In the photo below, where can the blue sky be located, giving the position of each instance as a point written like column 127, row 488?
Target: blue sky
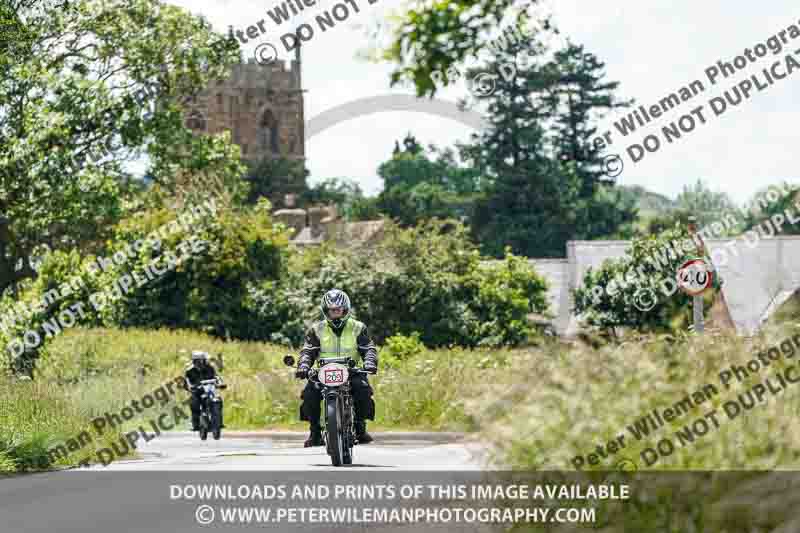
column 651, row 48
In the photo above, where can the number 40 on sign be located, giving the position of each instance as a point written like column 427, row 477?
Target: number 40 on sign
column 694, row 277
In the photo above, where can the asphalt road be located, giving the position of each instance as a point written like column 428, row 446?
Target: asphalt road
column 137, row 496
column 416, row 451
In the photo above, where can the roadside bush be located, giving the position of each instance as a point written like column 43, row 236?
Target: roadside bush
column 427, row 280
column 402, row 346
column 609, row 294
column 47, row 297
column 209, row 292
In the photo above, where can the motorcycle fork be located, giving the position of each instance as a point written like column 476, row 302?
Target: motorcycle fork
column 330, row 396
column 347, row 414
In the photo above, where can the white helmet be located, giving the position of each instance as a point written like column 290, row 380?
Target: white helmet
column 336, row 298
column 198, row 355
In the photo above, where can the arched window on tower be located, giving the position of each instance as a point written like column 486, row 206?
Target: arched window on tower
column 268, row 132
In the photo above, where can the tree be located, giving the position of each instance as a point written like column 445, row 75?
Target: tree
column 639, row 290
column 408, row 169
column 761, row 208
column 421, row 184
column 432, row 37
column 332, row 191
column 91, row 84
column 674, row 218
column 345, row 194
column 576, row 95
column 366, row 208
column 536, row 199
column 411, row 145
column 708, row 206
column 427, row 279
column 274, row 178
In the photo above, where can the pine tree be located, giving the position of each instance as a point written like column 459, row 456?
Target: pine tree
column 576, row 97
column 538, row 200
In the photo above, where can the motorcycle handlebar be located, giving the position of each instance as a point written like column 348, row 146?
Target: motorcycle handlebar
column 216, row 381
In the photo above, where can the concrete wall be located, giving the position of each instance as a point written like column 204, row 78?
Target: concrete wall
column 757, row 278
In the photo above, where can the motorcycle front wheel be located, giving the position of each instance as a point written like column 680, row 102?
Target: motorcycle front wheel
column 216, row 421
column 348, row 439
column 203, row 426
column 335, row 434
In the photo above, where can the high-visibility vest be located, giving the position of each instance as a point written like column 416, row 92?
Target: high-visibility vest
column 345, row 345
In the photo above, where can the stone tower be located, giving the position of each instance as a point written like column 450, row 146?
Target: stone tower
column 261, row 105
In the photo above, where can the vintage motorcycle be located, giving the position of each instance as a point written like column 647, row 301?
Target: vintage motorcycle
column 332, row 378
column 210, row 408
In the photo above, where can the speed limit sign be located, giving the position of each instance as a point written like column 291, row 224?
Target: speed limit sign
column 695, row 277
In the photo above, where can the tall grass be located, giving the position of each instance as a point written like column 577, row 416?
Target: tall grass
column 537, row 407
column 425, row 391
column 35, row 416
column 85, row 374
column 564, row 402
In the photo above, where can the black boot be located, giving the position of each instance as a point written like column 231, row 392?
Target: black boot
column 315, row 439
column 361, row 432
column 196, row 422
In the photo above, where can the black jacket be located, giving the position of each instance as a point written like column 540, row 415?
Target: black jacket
column 310, row 350
column 195, row 375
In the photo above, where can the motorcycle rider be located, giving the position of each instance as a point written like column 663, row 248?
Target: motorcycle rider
column 338, row 334
column 197, row 370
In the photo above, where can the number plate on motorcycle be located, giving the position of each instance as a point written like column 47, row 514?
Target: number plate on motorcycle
column 333, row 374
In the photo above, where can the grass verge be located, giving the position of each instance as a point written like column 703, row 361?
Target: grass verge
column 89, row 374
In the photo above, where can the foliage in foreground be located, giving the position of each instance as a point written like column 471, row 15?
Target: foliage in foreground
column 585, row 397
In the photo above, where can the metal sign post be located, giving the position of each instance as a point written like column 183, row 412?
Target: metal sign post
column 695, row 278
column 697, row 299
column 697, row 310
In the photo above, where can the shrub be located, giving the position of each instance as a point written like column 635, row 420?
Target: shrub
column 427, row 280
column 209, row 291
column 608, row 294
column 48, row 297
column 402, row 346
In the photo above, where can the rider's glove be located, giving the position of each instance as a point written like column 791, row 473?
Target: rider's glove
column 370, row 367
column 301, row 372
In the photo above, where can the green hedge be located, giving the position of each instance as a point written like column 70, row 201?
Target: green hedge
column 231, row 275
column 427, row 280
column 204, row 269
column 607, row 298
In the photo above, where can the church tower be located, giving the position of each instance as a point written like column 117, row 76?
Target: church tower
column 261, row 105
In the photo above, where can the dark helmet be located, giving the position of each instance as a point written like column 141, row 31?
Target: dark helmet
column 336, row 298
